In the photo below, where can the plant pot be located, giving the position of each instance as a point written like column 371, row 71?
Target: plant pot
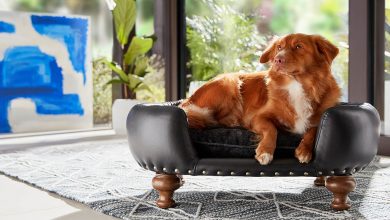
column 120, row 110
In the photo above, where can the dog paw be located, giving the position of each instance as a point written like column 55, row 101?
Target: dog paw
column 303, row 154
column 264, row 158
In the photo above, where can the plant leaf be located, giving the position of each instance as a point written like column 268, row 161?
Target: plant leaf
column 134, row 80
column 141, row 64
column 138, row 46
column 113, row 81
column 122, row 75
column 142, row 86
column 124, row 15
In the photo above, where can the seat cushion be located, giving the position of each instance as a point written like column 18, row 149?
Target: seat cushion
column 238, row 143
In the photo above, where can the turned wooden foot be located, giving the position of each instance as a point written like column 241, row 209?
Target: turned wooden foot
column 166, row 184
column 320, row 181
column 340, row 186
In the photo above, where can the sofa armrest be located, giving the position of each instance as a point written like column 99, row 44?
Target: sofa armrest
column 347, row 138
column 159, row 139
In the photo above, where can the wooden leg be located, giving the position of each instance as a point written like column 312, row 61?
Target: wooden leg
column 166, row 184
column 340, row 186
column 320, row 181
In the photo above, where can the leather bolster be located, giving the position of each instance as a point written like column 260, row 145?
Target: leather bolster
column 347, row 137
column 159, row 139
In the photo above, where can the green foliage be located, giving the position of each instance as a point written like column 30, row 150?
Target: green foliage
column 122, row 76
column 155, row 79
column 222, row 41
column 102, row 94
column 145, row 17
column 36, row 5
column 316, row 17
column 124, row 19
column 138, row 47
column 135, row 63
column 141, row 66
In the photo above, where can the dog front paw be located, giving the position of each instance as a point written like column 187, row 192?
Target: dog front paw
column 303, row 154
column 264, row 158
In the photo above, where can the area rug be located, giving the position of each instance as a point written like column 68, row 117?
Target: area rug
column 104, row 176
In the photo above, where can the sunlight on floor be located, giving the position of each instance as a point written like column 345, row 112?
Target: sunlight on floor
column 20, row 201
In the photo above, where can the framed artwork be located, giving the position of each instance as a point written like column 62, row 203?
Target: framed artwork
column 45, row 72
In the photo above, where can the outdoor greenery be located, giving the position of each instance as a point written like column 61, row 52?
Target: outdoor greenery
column 102, row 93
column 155, row 80
column 228, row 35
column 145, row 17
column 387, row 40
column 223, row 41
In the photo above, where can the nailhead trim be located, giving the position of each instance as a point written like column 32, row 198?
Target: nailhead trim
column 204, row 172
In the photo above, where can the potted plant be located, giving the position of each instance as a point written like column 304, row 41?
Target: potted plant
column 134, row 65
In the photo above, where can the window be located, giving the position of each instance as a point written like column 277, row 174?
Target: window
column 227, row 35
column 386, row 95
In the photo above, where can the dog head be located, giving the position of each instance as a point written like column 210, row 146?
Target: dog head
column 299, row 53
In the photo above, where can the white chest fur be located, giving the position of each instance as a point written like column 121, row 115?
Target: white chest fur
column 301, row 105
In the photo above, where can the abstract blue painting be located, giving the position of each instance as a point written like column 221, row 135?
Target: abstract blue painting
column 45, row 72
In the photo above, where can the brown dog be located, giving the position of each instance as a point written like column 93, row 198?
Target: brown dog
column 291, row 95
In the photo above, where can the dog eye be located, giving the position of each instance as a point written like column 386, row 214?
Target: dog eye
column 298, row 46
column 279, row 47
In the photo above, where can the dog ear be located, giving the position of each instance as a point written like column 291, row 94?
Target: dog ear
column 326, row 48
column 269, row 52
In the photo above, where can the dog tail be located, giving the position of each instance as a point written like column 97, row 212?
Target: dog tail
column 198, row 117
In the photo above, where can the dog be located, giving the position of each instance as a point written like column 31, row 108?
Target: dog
column 292, row 95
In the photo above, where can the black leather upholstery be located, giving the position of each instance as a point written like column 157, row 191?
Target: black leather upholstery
column 160, row 140
column 347, row 137
column 158, row 137
column 238, row 142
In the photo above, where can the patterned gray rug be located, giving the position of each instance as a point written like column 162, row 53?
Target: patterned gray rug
column 104, row 176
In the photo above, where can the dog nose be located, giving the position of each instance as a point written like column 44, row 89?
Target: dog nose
column 279, row 59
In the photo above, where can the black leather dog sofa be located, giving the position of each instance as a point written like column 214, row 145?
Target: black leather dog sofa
column 161, row 141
